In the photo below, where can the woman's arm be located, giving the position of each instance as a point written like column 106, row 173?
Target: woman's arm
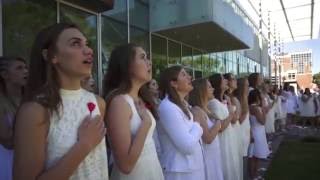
column 209, row 134
column 30, row 145
column 126, row 149
column 173, row 122
column 213, row 108
column 259, row 114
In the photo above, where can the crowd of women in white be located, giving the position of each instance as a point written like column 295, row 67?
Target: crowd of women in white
column 200, row 129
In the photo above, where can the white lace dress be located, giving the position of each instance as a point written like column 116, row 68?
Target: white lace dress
column 230, row 155
column 148, row 165
column 63, row 134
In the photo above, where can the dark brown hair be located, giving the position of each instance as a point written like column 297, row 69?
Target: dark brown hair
column 198, row 95
column 117, row 80
column 43, row 84
column 253, row 78
column 254, row 97
column 166, row 77
column 216, row 80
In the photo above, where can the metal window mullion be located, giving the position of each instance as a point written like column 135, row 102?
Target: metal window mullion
column 99, row 49
column 128, row 20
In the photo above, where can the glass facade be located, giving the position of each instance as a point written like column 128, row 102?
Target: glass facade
column 124, row 23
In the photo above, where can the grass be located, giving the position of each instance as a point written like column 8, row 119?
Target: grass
column 296, row 160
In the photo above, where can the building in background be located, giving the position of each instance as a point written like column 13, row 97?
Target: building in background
column 204, row 36
column 294, row 68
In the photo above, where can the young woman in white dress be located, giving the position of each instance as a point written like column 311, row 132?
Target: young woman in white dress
column 270, row 105
column 13, row 77
column 220, row 109
column 179, row 135
column 199, row 98
column 242, row 95
column 255, row 81
column 59, row 132
column 130, row 123
column 292, row 106
column 307, row 108
column 235, row 104
column 259, row 147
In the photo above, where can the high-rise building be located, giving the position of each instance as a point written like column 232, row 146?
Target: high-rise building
column 294, row 68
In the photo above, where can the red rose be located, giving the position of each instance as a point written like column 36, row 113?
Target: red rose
column 91, row 106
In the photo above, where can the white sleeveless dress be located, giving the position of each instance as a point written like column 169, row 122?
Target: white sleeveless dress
column 212, row 156
column 259, row 148
column 63, row 134
column 245, row 129
column 229, row 153
column 270, row 116
column 148, row 165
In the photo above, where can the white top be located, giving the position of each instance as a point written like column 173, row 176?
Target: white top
column 179, row 138
column 228, row 143
column 63, row 134
column 147, row 165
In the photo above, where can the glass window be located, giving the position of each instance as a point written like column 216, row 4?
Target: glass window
column 174, row 53
column 186, row 56
column 114, row 30
column 206, row 64
column 114, row 33
column 21, row 21
column 197, row 61
column 139, row 23
column 159, row 55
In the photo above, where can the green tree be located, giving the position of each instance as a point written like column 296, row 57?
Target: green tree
column 316, row 79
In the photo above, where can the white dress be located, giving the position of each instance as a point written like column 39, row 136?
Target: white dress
column 245, row 128
column 307, row 108
column 259, row 148
column 228, row 143
column 63, row 134
column 270, row 116
column 180, row 139
column 147, row 165
column 212, row 155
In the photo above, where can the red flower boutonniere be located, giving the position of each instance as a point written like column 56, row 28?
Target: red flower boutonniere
column 91, row 106
column 148, row 106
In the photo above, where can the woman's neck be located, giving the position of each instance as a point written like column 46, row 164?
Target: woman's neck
column 70, row 83
column 134, row 91
column 182, row 96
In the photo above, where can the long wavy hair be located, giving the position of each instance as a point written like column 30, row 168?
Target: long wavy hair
column 166, row 77
column 216, row 81
column 242, row 94
column 118, row 79
column 43, row 84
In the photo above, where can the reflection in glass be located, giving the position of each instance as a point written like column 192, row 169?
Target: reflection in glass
column 159, row 55
column 174, row 53
column 21, row 21
column 186, row 56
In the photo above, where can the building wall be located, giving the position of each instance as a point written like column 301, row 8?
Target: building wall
column 303, row 80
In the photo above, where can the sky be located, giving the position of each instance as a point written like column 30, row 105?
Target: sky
column 314, row 45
